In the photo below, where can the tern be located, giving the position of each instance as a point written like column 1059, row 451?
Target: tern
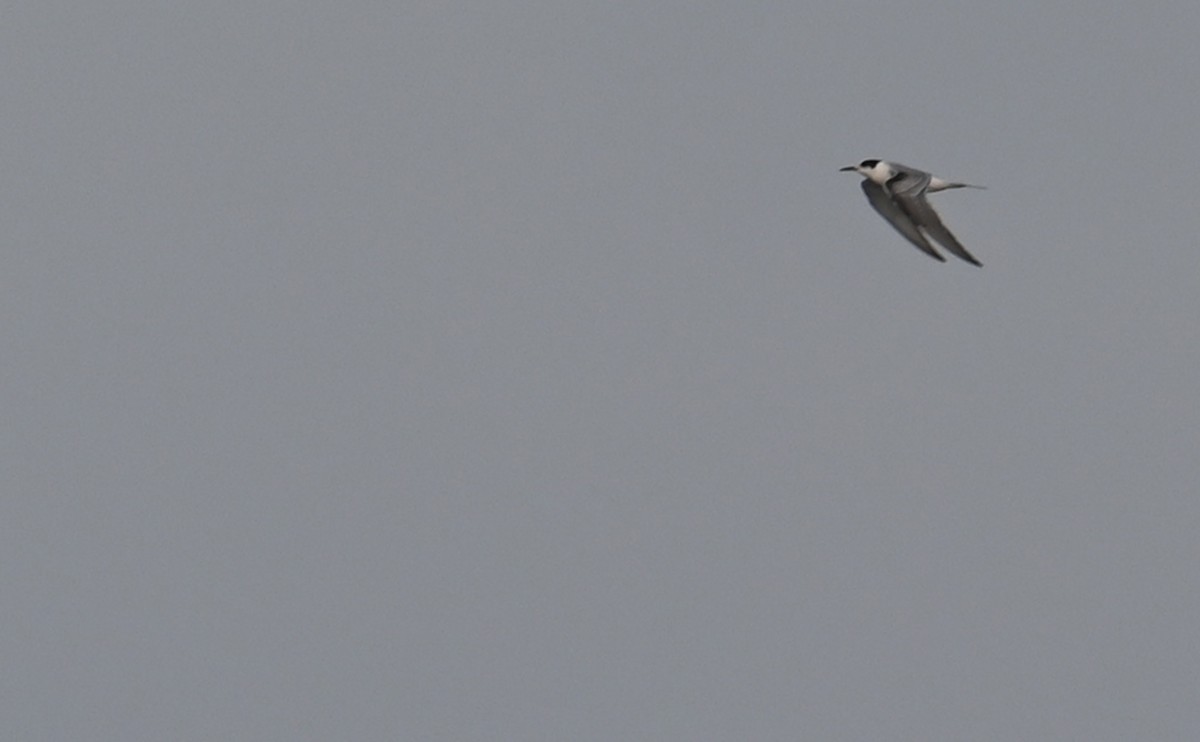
column 897, row 192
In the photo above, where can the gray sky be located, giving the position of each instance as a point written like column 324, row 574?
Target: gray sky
column 526, row 370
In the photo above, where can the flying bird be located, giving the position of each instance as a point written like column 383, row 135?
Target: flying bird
column 897, row 192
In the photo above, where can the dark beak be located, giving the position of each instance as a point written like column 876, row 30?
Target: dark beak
column 847, row 169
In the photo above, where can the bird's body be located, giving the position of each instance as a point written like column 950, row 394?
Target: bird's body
column 897, row 192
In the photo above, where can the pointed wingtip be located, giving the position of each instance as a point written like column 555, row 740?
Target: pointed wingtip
column 962, row 254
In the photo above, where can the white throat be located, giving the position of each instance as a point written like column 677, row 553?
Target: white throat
column 881, row 173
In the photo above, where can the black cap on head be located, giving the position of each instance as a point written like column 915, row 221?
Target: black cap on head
column 868, row 164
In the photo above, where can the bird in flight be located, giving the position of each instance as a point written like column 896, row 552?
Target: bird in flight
column 897, row 192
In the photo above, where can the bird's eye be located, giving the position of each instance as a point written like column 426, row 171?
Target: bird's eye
column 869, row 164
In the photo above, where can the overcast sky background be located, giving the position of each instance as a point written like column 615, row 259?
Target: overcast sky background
column 526, row 370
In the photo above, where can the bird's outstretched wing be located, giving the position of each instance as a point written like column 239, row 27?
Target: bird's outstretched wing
column 889, row 210
column 922, row 215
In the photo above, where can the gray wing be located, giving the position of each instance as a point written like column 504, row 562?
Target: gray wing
column 909, row 172
column 914, row 205
column 887, row 208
